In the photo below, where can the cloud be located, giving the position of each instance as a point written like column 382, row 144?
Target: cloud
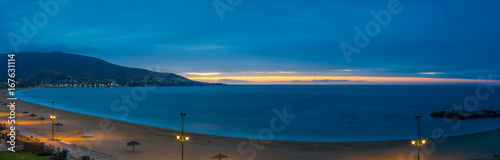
column 318, row 81
column 326, row 80
column 301, row 37
column 345, row 70
column 431, row 73
column 233, row 81
column 204, row 74
column 282, row 72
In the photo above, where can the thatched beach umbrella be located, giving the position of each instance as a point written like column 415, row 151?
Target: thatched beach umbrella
column 219, row 156
column 25, row 112
column 133, row 144
column 78, row 131
column 32, row 115
column 41, row 120
column 57, row 125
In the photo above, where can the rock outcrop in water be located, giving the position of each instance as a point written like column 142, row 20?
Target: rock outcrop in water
column 462, row 114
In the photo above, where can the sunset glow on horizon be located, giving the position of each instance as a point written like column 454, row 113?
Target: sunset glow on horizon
column 335, row 80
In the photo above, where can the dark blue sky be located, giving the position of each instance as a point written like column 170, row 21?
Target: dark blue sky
column 451, row 39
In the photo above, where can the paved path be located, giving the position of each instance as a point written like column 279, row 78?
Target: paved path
column 3, row 148
column 74, row 151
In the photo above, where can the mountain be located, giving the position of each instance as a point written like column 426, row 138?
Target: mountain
column 56, row 68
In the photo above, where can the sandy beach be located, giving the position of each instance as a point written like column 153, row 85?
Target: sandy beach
column 110, row 137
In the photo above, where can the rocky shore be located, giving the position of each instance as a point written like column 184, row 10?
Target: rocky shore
column 462, row 114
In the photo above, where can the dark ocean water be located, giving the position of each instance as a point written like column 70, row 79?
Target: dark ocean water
column 322, row 112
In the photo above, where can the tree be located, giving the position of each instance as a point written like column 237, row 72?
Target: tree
column 32, row 115
column 41, row 120
column 133, row 144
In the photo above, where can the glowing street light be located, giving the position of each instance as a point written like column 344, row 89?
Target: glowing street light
column 53, row 117
column 182, row 138
column 185, row 138
column 422, row 142
column 419, row 142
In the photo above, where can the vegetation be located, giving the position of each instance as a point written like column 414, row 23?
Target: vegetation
column 20, row 155
column 63, row 154
column 44, row 153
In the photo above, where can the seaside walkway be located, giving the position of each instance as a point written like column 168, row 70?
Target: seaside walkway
column 74, row 151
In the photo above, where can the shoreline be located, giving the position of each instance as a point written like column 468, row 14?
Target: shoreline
column 242, row 135
column 201, row 146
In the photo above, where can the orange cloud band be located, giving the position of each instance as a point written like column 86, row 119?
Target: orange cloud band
column 277, row 79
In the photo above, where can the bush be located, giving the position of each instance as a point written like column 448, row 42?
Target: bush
column 85, row 158
column 62, row 154
column 44, row 153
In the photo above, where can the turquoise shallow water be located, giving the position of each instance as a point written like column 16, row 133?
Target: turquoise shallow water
column 323, row 113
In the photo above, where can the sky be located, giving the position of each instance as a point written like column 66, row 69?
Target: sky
column 270, row 42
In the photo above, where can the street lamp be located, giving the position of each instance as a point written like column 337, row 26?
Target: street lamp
column 53, row 117
column 419, row 142
column 182, row 138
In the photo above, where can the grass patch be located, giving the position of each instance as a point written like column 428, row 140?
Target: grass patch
column 19, row 155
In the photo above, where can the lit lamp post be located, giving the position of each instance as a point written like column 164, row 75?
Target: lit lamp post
column 419, row 142
column 182, row 138
column 53, row 117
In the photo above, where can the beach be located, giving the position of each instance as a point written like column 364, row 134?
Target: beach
column 109, row 137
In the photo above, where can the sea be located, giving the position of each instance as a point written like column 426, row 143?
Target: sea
column 317, row 113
